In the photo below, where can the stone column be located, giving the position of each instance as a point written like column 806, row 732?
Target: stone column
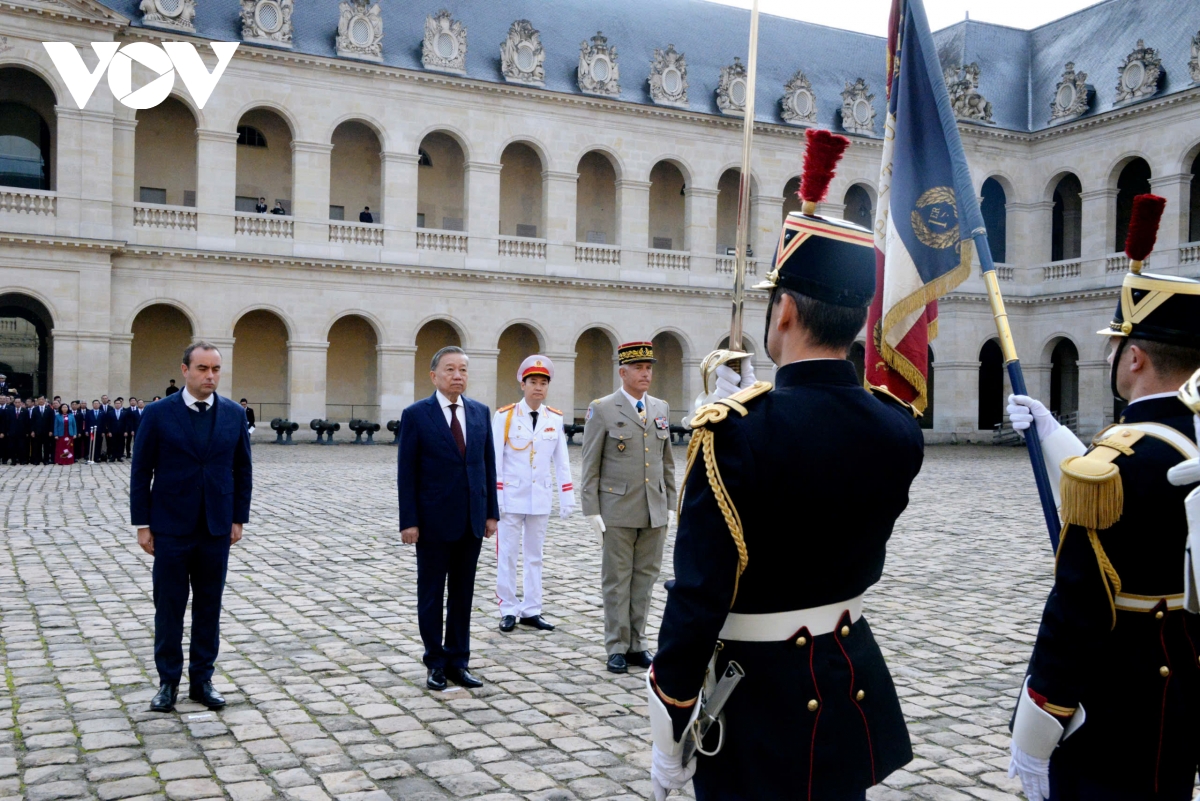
column 310, row 191
column 1095, row 397
column 693, row 385
column 482, row 188
column 1037, row 380
column 396, row 391
column 482, row 383
column 1099, row 227
column 562, row 388
column 85, row 172
column 764, row 236
column 399, row 205
column 120, row 356
column 633, row 220
column 558, row 216
column 216, row 164
column 1173, row 231
column 956, row 406
column 700, row 226
column 1030, row 226
column 306, row 380
column 80, row 364
column 124, row 191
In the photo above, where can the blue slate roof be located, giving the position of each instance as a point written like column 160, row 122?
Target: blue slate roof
column 1019, row 69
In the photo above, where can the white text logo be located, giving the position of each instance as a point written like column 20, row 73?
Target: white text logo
column 172, row 57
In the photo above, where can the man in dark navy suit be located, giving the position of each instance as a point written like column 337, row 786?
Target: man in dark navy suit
column 41, row 433
column 446, row 476
column 195, row 449
column 118, row 418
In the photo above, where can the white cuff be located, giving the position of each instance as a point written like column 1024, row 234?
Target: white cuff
column 1191, row 578
column 662, row 728
column 1035, row 731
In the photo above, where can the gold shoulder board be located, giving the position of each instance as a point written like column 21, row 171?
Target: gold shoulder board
column 1093, row 496
column 556, row 411
column 883, row 391
column 503, row 409
column 718, row 410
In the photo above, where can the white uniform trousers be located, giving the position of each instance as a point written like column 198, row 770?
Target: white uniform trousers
column 512, row 530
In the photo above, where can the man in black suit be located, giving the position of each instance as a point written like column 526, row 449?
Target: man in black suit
column 189, row 495
column 249, row 414
column 171, row 388
column 365, row 215
column 103, row 431
column 81, row 434
column 446, row 475
column 261, row 205
column 118, row 417
column 5, row 387
column 41, row 433
column 94, row 422
column 18, row 433
column 131, row 417
column 6, row 417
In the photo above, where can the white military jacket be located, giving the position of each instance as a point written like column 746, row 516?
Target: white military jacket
column 523, row 459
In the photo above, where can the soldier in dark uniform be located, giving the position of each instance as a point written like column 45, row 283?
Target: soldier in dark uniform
column 816, row 716
column 1110, row 704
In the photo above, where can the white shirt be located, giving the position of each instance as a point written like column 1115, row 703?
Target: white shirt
column 634, row 401
column 460, row 412
column 190, row 401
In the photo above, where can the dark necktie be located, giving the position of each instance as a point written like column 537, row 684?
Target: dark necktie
column 534, row 416
column 456, row 431
column 201, row 407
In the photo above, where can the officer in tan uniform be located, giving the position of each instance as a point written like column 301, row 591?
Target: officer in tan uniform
column 628, row 489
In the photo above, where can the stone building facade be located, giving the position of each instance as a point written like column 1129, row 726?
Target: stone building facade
column 526, row 195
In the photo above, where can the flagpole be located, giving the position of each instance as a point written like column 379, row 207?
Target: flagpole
column 1016, row 378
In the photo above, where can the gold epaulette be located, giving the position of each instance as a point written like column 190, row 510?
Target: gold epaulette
column 505, row 408
column 1093, row 496
column 887, row 393
column 556, row 411
column 718, row 410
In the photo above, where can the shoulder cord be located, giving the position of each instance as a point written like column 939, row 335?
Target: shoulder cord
column 507, row 423
column 1108, row 573
column 702, row 441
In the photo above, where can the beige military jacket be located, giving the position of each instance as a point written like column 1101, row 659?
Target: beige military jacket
column 628, row 469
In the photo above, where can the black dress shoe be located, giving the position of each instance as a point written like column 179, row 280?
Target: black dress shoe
column 508, row 623
column 436, row 680
column 617, row 664
column 538, row 622
column 205, row 693
column 463, row 678
column 164, row 699
column 639, row 658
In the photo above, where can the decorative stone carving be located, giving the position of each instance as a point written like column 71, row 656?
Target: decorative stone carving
column 267, row 22
column 731, row 89
column 668, row 78
column 858, row 109
column 1072, row 96
column 177, row 15
column 799, row 103
column 1139, row 76
column 4, row 45
column 360, row 30
column 963, row 85
column 1194, row 64
column 598, row 73
column 521, row 55
column 445, row 46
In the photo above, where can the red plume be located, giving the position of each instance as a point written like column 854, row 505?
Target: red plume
column 821, row 155
column 1143, row 225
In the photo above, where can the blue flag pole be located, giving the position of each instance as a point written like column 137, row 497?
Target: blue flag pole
column 974, row 232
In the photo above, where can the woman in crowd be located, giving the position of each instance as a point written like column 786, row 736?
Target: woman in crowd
column 64, row 435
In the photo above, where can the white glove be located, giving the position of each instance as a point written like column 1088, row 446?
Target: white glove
column 597, row 524
column 1024, row 411
column 565, row 511
column 1034, row 773
column 668, row 773
column 671, row 517
column 1187, row 472
column 729, row 381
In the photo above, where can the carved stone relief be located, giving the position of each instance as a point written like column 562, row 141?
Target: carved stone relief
column 1139, row 76
column 598, row 73
column 1072, row 96
column 799, row 103
column 267, row 22
column 968, row 103
column 858, row 109
column 178, row 15
column 731, row 89
column 668, row 77
column 360, row 30
column 445, row 45
column 522, row 58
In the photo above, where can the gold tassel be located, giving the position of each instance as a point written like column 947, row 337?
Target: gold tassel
column 1093, row 495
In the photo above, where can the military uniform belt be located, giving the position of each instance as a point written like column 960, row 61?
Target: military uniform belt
column 778, row 626
column 1128, row 602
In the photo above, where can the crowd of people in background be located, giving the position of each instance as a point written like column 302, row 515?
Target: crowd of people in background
column 37, row 431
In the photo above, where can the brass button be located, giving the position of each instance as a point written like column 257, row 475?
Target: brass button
column 801, row 642
column 845, row 631
column 812, row 705
column 1164, row 671
column 647, row 480
column 647, row 450
column 860, row 695
column 647, row 464
column 1126, row 433
column 1158, row 615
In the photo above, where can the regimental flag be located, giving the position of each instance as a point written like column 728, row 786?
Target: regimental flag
column 927, row 213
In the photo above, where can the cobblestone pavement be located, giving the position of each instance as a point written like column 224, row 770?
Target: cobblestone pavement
column 320, row 654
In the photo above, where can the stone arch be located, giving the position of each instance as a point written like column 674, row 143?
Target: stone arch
column 595, row 349
column 31, row 313
column 372, row 320
column 791, row 197
column 288, row 325
column 178, row 305
column 441, row 182
column 266, row 172
column 613, row 337
column 614, row 158
column 352, row 368
column 669, row 206
column 450, row 131
column 260, row 361
column 991, row 385
column 377, row 127
column 356, row 171
column 1061, row 352
column 534, row 144
column 596, row 199
column 517, row 341
column 49, row 76
column 1118, row 165
column 684, row 340
column 670, row 383
column 264, row 104
column 1191, row 165
column 460, row 330
column 166, row 154
column 161, row 330
column 29, row 126
column 1133, row 178
column 186, row 100
column 1066, row 216
column 1002, row 178
column 433, row 334
column 729, row 183
column 993, row 206
column 680, row 164
column 859, row 202
column 523, row 193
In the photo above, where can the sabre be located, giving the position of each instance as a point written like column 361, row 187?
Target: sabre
column 710, row 713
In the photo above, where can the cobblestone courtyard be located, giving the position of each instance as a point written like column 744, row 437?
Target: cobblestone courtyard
column 320, row 655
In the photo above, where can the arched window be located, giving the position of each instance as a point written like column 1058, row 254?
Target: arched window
column 1134, row 181
column 991, row 385
column 1066, row 226
column 24, row 147
column 859, row 209
column 250, row 136
column 995, row 218
column 1194, row 215
column 441, row 191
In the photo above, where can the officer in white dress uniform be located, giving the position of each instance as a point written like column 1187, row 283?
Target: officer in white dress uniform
column 529, row 439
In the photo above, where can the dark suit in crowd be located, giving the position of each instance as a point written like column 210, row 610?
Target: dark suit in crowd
column 7, row 413
column 81, row 438
column 449, row 496
column 18, row 436
column 190, row 481
column 250, row 417
column 115, row 439
column 130, row 419
column 170, row 390
column 41, row 427
column 95, row 422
